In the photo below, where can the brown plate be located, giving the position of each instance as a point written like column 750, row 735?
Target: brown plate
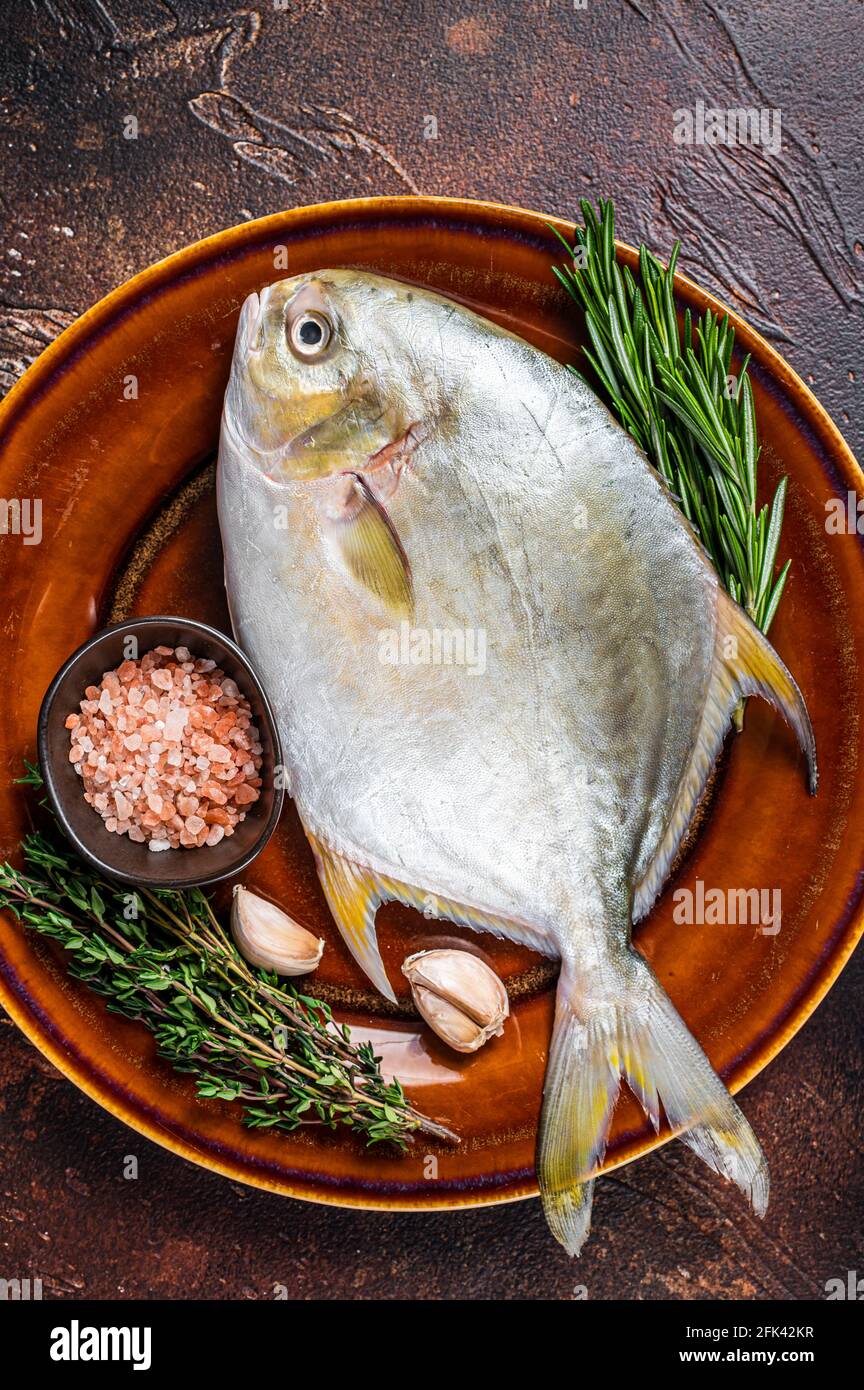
column 114, row 429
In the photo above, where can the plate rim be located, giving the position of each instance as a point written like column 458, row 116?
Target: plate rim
column 81, row 1072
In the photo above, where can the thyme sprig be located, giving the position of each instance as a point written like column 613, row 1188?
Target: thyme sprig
column 675, row 394
column 163, row 957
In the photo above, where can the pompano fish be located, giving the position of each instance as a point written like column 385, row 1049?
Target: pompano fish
column 403, row 484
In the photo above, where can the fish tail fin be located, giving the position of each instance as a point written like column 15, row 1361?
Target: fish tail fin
column 749, row 665
column 640, row 1037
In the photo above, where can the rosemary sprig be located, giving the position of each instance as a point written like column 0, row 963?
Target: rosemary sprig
column 164, row 958
column 674, row 393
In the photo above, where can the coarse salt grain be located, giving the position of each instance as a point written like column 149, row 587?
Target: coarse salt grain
column 167, row 750
column 175, row 723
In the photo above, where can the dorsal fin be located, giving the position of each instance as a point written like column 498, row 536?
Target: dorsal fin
column 744, row 664
column 753, row 667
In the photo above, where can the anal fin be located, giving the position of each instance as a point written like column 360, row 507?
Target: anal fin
column 448, row 910
column 355, row 893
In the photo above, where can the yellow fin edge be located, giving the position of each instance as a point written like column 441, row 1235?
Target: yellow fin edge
column 745, row 663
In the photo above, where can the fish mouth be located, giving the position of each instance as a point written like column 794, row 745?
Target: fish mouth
column 251, row 321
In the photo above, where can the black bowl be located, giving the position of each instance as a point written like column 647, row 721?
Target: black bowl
column 117, row 855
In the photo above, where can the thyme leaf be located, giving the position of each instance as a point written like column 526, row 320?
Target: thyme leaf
column 162, row 957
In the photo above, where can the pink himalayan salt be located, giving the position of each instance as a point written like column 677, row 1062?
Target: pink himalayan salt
column 175, row 723
column 191, row 793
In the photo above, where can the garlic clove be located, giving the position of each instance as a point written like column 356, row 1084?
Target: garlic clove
column 458, row 995
column 266, row 936
column 451, row 1024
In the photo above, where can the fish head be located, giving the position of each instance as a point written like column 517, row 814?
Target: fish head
column 321, row 382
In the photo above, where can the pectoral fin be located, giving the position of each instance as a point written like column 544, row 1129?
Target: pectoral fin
column 364, row 536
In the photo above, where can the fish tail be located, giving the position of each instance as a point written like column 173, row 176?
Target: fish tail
column 642, row 1038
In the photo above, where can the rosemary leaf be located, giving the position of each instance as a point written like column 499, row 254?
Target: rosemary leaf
column 672, row 391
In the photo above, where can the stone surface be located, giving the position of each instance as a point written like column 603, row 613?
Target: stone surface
column 241, row 112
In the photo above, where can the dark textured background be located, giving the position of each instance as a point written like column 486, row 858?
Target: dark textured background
column 245, row 111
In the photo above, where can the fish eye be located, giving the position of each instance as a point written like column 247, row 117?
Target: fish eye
column 309, row 335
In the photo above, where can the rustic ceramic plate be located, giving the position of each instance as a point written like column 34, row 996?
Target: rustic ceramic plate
column 114, row 429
